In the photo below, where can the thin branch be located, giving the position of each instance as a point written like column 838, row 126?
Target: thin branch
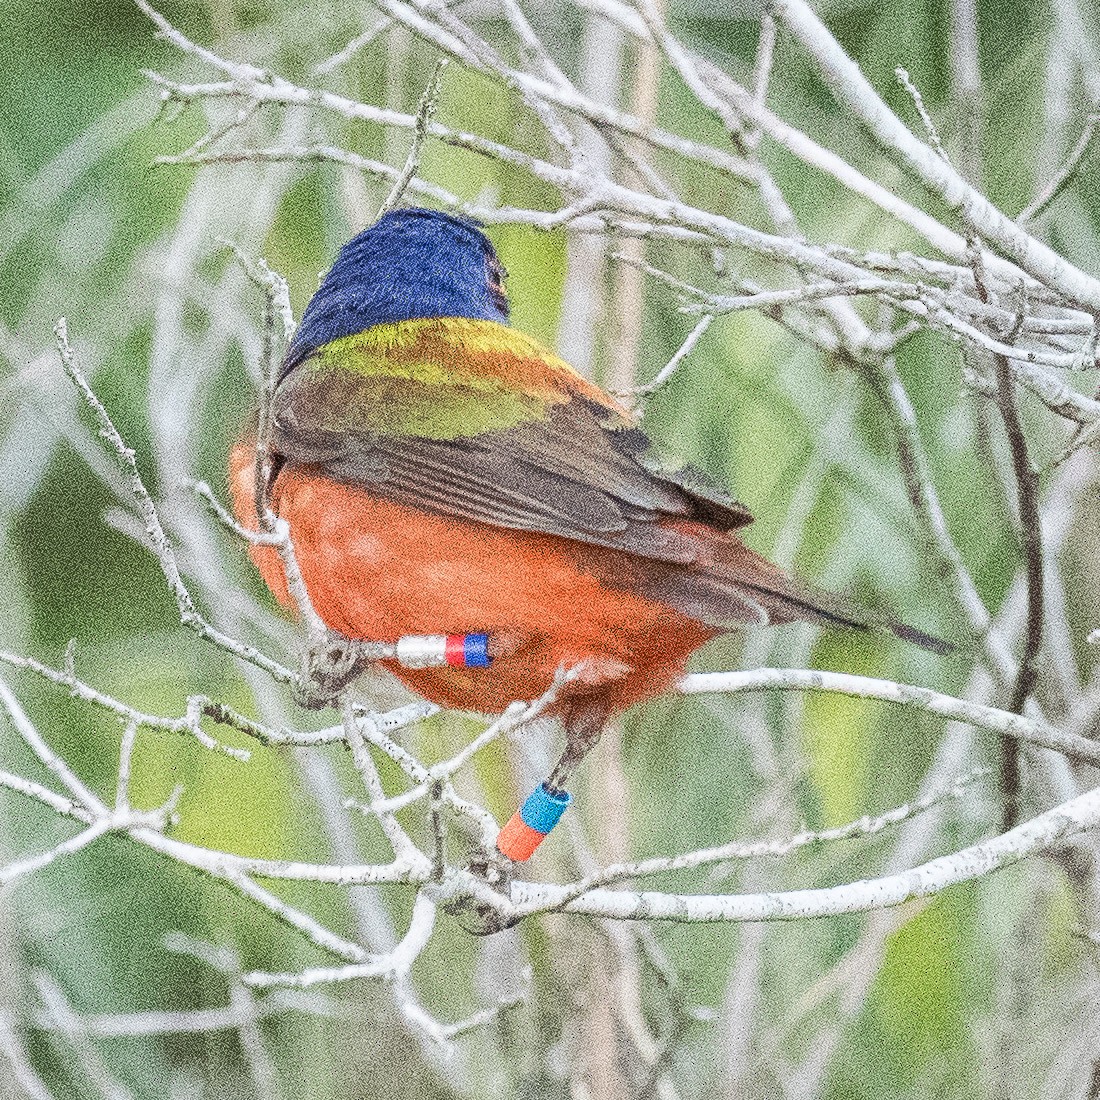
column 1027, row 491
column 404, row 850
column 687, row 346
column 518, row 714
column 1045, row 831
column 82, row 1052
column 83, row 795
column 277, row 316
column 393, row 965
column 199, row 1021
column 924, row 497
column 189, row 725
column 165, row 555
column 226, row 519
column 14, row 1053
column 1065, row 173
column 111, row 823
column 906, row 82
column 267, row 87
column 1027, row 487
column 125, row 763
column 853, row 91
column 738, row 850
column 356, row 45
column 423, row 116
column 67, row 807
column 865, row 687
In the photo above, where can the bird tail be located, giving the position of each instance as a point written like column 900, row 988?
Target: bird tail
column 738, row 586
column 914, row 636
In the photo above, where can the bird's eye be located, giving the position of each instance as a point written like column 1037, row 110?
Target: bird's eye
column 497, row 274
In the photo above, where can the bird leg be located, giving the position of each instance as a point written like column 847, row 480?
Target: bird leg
column 584, row 717
column 584, row 721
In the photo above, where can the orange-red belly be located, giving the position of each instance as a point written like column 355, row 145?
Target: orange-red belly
column 378, row 570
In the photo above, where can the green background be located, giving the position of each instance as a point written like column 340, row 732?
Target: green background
column 973, row 994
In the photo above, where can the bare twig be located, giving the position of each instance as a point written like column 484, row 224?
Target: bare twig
column 1003, row 722
column 423, row 116
column 853, row 90
column 1065, row 173
column 124, row 456
column 1027, row 491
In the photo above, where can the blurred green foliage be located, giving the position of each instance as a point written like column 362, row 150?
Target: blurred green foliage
column 84, row 218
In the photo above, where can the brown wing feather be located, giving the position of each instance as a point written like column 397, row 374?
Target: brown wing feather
column 575, row 474
column 583, row 474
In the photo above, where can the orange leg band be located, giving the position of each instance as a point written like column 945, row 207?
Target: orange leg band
column 517, row 840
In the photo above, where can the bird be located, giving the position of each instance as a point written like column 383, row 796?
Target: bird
column 442, row 473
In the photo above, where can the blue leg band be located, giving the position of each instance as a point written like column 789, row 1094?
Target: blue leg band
column 543, row 809
column 476, row 651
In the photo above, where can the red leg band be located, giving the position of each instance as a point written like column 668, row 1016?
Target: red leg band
column 455, row 650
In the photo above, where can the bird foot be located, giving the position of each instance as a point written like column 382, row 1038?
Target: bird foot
column 478, row 917
column 327, row 669
column 493, row 867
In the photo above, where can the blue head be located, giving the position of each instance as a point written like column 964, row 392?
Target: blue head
column 410, row 264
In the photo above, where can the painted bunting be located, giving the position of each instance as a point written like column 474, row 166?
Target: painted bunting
column 442, row 472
